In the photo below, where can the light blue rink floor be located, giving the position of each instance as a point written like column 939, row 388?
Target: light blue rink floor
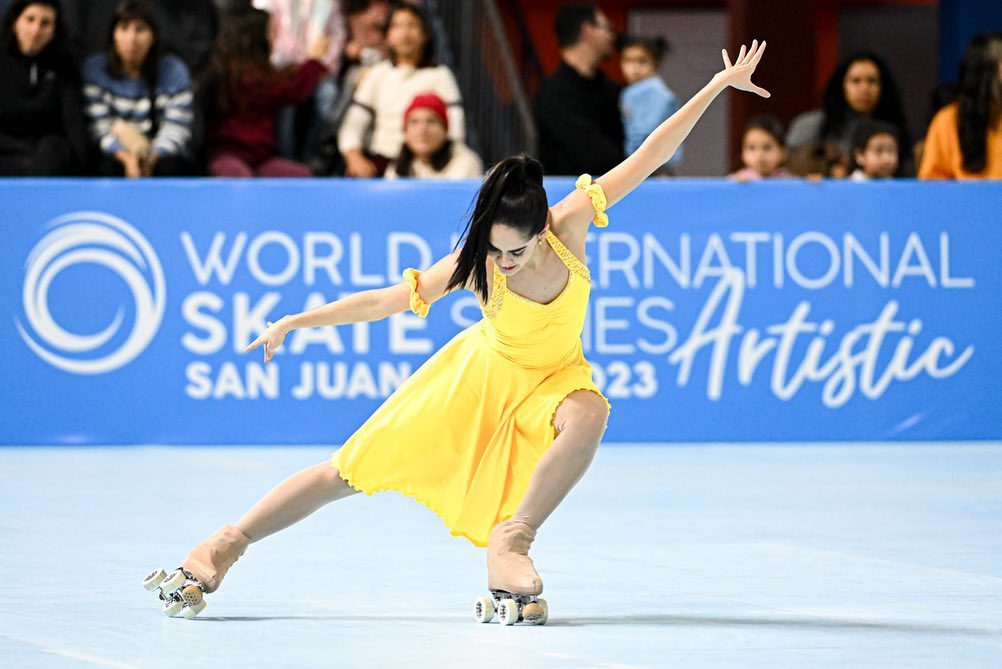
column 676, row 556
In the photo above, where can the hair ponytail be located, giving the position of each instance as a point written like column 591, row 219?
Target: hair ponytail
column 512, row 194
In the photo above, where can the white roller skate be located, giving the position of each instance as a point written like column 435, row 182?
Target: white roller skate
column 511, row 578
column 183, row 590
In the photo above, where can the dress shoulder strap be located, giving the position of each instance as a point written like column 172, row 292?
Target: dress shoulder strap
column 570, row 260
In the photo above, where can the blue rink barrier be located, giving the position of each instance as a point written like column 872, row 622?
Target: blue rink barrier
column 782, row 311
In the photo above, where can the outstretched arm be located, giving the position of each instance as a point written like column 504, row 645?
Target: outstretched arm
column 363, row 307
column 576, row 209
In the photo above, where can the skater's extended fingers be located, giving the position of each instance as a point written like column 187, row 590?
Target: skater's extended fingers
column 761, row 91
column 751, row 51
column 758, row 54
column 727, row 59
column 741, row 55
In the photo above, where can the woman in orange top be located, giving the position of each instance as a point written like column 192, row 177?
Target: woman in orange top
column 965, row 138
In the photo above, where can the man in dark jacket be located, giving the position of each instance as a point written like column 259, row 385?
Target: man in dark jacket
column 580, row 129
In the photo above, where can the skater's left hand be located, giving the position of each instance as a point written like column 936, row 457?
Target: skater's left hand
column 272, row 338
column 740, row 72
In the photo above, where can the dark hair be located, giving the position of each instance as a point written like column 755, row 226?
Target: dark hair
column 657, row 47
column 352, row 7
column 437, row 160
column 979, row 98
column 512, row 194
column 838, row 113
column 570, row 19
column 427, row 57
column 769, row 124
column 126, row 12
column 242, row 50
column 867, row 130
column 56, row 54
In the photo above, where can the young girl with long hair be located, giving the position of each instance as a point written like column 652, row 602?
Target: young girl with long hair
column 495, row 428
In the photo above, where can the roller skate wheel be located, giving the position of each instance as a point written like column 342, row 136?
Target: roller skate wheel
column 483, row 609
column 173, row 582
column 193, row 610
column 172, row 607
column 154, row 578
column 536, row 612
column 508, row 612
column 191, row 595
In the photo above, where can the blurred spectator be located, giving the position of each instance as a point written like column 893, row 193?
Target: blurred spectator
column 820, row 160
column 296, row 24
column 381, row 98
column 139, row 102
column 941, row 96
column 366, row 21
column 763, row 150
column 965, row 138
column 243, row 92
column 428, row 153
column 860, row 88
column 875, row 151
column 577, row 110
column 42, row 127
column 227, row 8
column 187, row 27
column 646, row 101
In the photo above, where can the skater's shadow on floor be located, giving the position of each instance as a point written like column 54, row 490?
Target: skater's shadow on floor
column 788, row 623
column 660, row 620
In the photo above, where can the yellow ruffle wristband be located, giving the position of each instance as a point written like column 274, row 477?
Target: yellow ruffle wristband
column 598, row 199
column 418, row 305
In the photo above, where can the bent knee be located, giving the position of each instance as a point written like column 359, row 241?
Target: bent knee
column 583, row 408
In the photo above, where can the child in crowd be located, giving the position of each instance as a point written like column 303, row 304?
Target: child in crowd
column 875, row 150
column 763, row 150
column 244, row 92
column 428, row 152
column 646, row 101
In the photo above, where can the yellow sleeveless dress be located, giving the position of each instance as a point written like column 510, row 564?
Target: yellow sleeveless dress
column 464, row 433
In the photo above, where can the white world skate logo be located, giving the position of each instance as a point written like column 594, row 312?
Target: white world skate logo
column 95, row 238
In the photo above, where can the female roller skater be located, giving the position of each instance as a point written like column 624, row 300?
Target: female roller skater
column 494, row 430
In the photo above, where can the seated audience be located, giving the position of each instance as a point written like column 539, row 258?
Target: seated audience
column 139, row 101
column 646, row 101
column 819, row 160
column 875, row 150
column 243, row 92
column 42, row 127
column 381, row 98
column 577, row 109
column 428, row 153
column 763, row 150
column 965, row 138
column 366, row 46
column 860, row 88
column 295, row 25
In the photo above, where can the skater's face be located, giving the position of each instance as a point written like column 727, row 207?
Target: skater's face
column 761, row 152
column 637, row 64
column 133, row 41
column 510, row 249
column 862, row 86
column 880, row 157
column 35, row 28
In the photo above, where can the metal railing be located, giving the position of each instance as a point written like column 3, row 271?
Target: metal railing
column 499, row 116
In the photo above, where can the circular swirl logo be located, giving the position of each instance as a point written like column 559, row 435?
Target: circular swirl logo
column 96, row 238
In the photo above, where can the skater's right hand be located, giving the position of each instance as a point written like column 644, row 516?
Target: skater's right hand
column 272, row 338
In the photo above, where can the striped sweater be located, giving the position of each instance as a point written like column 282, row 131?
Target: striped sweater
column 125, row 98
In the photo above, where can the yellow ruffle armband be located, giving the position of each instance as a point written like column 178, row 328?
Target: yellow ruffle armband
column 418, row 305
column 598, row 199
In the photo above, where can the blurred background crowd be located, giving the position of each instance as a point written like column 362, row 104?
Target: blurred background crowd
column 436, row 89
